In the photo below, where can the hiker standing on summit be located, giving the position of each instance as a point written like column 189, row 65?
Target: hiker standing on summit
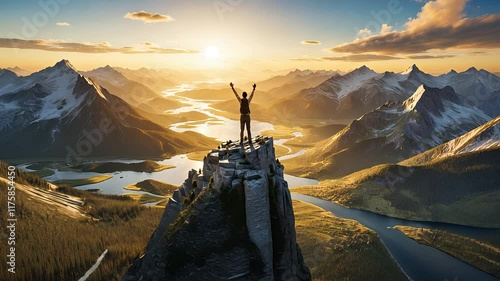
column 245, row 112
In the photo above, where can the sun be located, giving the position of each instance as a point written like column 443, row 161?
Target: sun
column 212, row 52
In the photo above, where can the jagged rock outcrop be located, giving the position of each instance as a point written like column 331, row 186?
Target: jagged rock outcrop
column 232, row 220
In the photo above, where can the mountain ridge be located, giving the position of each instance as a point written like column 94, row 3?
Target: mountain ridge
column 362, row 90
column 395, row 131
column 72, row 115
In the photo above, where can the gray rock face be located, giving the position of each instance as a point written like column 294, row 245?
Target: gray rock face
column 233, row 222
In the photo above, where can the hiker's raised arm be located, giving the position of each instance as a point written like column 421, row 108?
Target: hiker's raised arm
column 234, row 91
column 253, row 91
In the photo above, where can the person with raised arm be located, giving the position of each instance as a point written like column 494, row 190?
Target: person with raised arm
column 245, row 112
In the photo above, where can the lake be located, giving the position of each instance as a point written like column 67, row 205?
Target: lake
column 175, row 175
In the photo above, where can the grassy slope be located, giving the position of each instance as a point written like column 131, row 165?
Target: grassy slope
column 339, row 249
column 74, row 245
column 146, row 198
column 479, row 254
column 463, row 189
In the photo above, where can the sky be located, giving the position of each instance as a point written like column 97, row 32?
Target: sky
column 256, row 35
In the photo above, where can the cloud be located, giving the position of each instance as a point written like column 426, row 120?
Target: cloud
column 361, row 58
column 310, row 42
column 424, row 57
column 440, row 25
column 89, row 48
column 63, row 23
column 148, row 17
column 351, row 58
column 385, row 29
column 306, row 59
column 364, row 32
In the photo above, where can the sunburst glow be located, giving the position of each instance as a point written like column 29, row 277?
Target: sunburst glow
column 212, row 52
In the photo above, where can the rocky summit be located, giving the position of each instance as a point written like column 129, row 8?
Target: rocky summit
column 232, row 220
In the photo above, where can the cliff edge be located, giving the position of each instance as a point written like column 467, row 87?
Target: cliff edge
column 232, row 220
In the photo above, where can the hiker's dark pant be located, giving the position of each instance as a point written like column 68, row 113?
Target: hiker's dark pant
column 245, row 121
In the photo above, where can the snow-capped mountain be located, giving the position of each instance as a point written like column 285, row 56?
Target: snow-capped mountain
column 484, row 137
column 40, row 96
column 398, row 130
column 356, row 93
column 58, row 112
column 7, row 77
column 344, row 96
column 430, row 117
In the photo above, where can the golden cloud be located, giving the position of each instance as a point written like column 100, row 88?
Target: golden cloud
column 440, row 25
column 90, row 48
column 148, row 17
column 310, row 42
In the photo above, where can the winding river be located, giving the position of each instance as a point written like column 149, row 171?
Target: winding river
column 419, row 262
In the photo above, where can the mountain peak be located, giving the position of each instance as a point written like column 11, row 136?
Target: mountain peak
column 471, row 70
column 7, row 73
column 412, row 69
column 107, row 72
column 362, row 70
column 430, row 99
column 65, row 63
column 110, row 69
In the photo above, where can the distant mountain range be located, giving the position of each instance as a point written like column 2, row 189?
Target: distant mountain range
column 133, row 92
column 421, row 147
column 358, row 92
column 17, row 70
column 396, row 131
column 154, row 79
column 297, row 77
column 58, row 112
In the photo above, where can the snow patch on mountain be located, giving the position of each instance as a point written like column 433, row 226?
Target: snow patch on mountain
column 412, row 102
column 338, row 87
column 483, row 137
column 45, row 95
column 430, row 117
column 59, row 81
column 96, row 87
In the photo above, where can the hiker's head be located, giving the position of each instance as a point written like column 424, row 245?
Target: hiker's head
column 245, row 94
